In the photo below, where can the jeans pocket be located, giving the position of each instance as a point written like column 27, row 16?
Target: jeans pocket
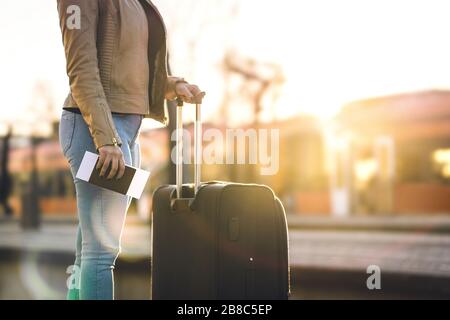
column 66, row 130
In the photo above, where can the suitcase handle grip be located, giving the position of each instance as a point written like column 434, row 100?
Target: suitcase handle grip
column 197, row 147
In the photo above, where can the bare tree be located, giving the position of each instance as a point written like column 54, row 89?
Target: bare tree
column 258, row 80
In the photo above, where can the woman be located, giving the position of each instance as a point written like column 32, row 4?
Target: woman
column 116, row 62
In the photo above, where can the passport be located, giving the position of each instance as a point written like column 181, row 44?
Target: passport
column 131, row 184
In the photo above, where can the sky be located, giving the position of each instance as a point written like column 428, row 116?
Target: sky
column 331, row 52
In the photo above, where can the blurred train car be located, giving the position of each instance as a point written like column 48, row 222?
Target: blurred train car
column 55, row 185
column 397, row 151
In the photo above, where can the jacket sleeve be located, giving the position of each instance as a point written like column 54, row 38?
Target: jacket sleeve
column 80, row 48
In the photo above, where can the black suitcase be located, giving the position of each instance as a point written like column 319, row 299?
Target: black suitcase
column 217, row 240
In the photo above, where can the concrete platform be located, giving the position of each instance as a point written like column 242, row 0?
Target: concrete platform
column 397, row 223
column 424, row 253
column 325, row 263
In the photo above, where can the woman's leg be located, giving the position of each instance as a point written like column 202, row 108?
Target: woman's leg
column 101, row 212
column 102, row 215
column 66, row 137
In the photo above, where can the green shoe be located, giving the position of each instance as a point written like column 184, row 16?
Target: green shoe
column 73, row 294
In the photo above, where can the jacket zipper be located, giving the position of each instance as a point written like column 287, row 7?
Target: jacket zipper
column 165, row 40
column 114, row 139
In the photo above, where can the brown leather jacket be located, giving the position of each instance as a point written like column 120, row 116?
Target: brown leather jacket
column 98, row 85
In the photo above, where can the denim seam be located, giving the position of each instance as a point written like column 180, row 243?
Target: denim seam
column 99, row 249
column 101, row 210
column 99, row 245
column 72, row 122
column 96, row 278
column 73, row 131
column 137, row 131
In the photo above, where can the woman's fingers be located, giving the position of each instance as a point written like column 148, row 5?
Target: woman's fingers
column 198, row 94
column 105, row 165
column 114, row 167
column 121, row 171
column 185, row 94
column 111, row 156
column 199, row 97
column 194, row 89
column 189, row 93
column 101, row 160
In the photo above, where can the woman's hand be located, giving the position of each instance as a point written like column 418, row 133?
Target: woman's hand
column 189, row 93
column 111, row 155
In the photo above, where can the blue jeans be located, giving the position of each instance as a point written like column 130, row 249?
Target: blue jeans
column 101, row 212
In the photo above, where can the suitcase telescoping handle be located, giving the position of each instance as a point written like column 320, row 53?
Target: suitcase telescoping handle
column 197, row 147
